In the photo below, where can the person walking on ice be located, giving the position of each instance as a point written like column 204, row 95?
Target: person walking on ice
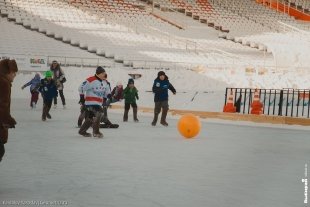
column 130, row 96
column 92, row 91
column 48, row 91
column 160, row 90
column 60, row 79
column 33, row 90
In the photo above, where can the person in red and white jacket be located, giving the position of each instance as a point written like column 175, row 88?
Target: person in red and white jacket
column 92, row 91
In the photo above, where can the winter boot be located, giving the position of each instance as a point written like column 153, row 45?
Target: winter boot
column 84, row 127
column 125, row 118
column 48, row 116
column 98, row 135
column 135, row 113
column 85, row 134
column 163, row 117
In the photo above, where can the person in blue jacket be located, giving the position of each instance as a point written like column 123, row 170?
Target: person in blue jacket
column 160, row 89
column 33, row 89
column 48, row 90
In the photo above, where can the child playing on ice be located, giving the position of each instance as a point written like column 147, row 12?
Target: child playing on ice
column 34, row 89
column 117, row 93
column 48, row 91
column 130, row 96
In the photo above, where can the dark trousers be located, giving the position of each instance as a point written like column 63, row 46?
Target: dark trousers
column 34, row 98
column 2, row 150
column 82, row 115
column 92, row 116
column 47, row 104
column 133, row 105
column 104, row 116
column 63, row 100
column 135, row 111
column 160, row 105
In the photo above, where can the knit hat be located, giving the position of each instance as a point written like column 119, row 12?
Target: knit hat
column 48, row 74
column 160, row 73
column 100, row 70
column 7, row 66
column 131, row 81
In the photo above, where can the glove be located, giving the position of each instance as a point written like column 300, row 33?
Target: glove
column 11, row 124
column 108, row 102
column 23, row 87
column 62, row 80
column 82, row 100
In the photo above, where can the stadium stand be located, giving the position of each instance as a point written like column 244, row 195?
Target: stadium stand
column 303, row 5
column 143, row 34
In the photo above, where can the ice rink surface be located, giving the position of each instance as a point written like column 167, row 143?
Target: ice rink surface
column 139, row 165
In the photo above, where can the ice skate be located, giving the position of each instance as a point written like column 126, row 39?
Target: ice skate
column 85, row 134
column 98, row 135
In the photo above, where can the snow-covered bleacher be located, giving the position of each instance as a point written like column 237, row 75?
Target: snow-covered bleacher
column 251, row 24
column 133, row 33
column 128, row 32
column 16, row 40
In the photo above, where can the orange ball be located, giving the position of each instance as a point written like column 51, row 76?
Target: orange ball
column 189, row 126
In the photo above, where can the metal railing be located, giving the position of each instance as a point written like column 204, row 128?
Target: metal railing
column 278, row 102
column 80, row 62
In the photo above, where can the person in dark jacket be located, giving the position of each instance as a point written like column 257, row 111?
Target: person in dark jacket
column 59, row 79
column 48, row 91
column 130, row 96
column 33, row 89
column 160, row 90
column 8, row 69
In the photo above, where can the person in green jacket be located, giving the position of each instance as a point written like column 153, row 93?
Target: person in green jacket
column 130, row 96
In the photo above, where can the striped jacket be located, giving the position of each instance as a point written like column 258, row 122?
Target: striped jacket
column 94, row 90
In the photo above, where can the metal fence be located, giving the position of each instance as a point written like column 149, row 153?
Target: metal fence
column 279, row 102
